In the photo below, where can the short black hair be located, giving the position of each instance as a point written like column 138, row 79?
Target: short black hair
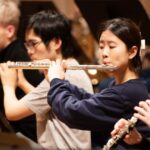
column 49, row 24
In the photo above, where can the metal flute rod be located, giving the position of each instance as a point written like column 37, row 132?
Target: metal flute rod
column 37, row 65
column 112, row 141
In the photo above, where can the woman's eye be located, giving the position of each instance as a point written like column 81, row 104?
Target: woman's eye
column 111, row 47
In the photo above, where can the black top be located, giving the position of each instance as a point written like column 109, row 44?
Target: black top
column 16, row 52
column 98, row 112
column 145, row 143
column 145, row 74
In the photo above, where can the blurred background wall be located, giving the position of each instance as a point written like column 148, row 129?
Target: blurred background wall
column 96, row 11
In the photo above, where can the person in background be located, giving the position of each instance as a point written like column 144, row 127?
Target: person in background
column 145, row 73
column 13, row 49
column 134, row 136
column 119, row 45
column 48, row 36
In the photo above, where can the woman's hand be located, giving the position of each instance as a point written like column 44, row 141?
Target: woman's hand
column 134, row 137
column 56, row 70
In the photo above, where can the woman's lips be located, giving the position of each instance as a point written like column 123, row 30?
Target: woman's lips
column 106, row 63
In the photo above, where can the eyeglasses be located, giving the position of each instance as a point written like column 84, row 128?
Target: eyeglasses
column 32, row 44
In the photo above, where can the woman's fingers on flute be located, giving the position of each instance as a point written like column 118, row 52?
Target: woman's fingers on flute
column 62, row 64
column 56, row 70
column 119, row 126
column 134, row 137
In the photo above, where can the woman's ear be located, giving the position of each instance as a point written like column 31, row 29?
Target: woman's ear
column 132, row 52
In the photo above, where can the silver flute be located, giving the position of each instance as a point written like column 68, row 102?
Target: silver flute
column 112, row 141
column 45, row 65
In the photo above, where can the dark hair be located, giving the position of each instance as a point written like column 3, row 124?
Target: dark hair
column 49, row 25
column 127, row 31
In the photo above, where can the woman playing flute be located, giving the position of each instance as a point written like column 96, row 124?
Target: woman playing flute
column 119, row 45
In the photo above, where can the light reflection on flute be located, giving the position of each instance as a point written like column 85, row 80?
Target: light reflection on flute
column 112, row 141
column 37, row 65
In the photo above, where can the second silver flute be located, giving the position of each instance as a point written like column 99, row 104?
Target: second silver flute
column 112, row 141
column 39, row 65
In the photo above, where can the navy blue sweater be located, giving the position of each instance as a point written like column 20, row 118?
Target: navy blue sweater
column 97, row 112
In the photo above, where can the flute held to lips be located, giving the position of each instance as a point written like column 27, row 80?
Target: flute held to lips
column 112, row 141
column 40, row 65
